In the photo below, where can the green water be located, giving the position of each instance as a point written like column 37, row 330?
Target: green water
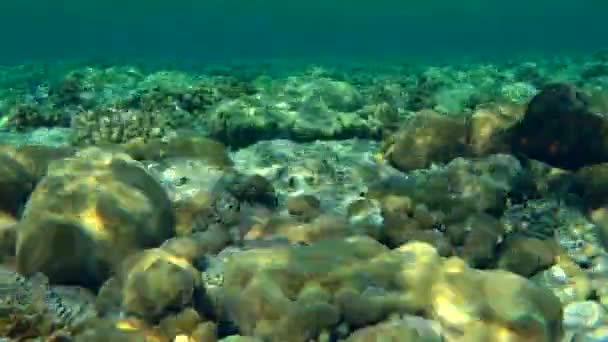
column 238, row 29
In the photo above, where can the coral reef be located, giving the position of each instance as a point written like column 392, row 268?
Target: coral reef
column 287, row 203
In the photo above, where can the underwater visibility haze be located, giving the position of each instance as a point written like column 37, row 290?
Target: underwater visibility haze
column 297, row 171
column 201, row 30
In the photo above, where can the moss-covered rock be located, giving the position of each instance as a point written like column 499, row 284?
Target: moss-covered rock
column 428, row 138
column 8, row 237
column 192, row 247
column 87, row 214
column 273, row 293
column 206, row 210
column 483, row 234
column 15, row 185
column 490, row 305
column 527, row 256
column 36, row 158
column 301, row 109
column 394, row 331
column 155, row 284
column 489, row 128
column 304, row 206
column 323, row 227
column 460, row 189
column 183, row 145
column 252, row 189
column 592, row 183
column 264, row 305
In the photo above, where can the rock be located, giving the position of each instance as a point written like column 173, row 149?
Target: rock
column 527, row 256
column 8, row 237
column 36, row 158
column 185, row 178
column 479, row 247
column 183, row 145
column 182, row 323
column 156, row 283
column 483, row 305
column 196, row 245
column 366, row 214
column 337, row 95
column 489, row 128
column 600, row 218
column 304, row 206
column 205, row 332
column 393, row 331
column 301, row 109
column 592, row 184
column 16, row 184
column 252, row 189
column 254, row 298
column 87, row 214
column 323, row 227
column 428, row 138
column 268, row 291
column 546, row 133
column 460, row 189
column 205, row 210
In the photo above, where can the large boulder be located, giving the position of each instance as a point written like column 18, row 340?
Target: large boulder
column 88, row 213
column 559, row 128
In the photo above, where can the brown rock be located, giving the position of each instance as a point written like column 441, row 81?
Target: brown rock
column 429, row 138
column 87, row 214
column 558, row 128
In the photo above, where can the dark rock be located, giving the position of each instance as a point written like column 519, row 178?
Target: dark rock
column 558, row 128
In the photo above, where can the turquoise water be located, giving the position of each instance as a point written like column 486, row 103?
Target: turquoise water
column 237, row 29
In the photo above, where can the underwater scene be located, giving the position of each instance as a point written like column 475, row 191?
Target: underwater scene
column 303, row 171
